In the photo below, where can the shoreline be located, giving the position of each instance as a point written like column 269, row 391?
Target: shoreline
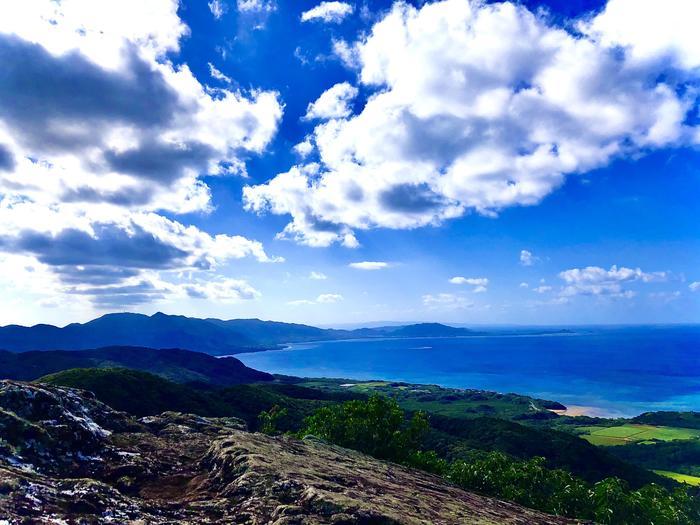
column 589, row 395
column 586, row 410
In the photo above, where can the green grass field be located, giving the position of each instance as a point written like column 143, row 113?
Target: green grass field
column 680, row 478
column 624, row 434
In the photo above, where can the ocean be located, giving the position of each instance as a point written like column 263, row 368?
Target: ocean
column 620, row 371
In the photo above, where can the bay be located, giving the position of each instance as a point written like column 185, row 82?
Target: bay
column 618, row 371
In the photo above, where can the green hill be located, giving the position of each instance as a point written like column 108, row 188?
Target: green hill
column 139, row 393
column 181, row 366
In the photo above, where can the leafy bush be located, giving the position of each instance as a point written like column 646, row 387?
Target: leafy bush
column 556, row 491
column 376, row 427
column 269, row 419
column 429, row 461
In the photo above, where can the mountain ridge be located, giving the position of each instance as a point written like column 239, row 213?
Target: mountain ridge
column 210, row 335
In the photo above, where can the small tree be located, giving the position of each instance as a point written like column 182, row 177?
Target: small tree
column 377, row 427
column 268, row 419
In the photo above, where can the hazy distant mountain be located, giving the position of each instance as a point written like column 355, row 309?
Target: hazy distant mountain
column 211, row 336
column 182, row 366
column 273, row 332
column 423, row 330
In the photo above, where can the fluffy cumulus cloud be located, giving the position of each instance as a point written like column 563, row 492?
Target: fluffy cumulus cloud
column 333, row 103
column 318, row 276
column 102, row 135
column 479, row 283
column 369, row 265
column 651, row 33
column 329, row 12
column 694, row 286
column 594, row 280
column 304, row 148
column 477, row 106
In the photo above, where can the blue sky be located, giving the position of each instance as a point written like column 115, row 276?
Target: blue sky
column 348, row 162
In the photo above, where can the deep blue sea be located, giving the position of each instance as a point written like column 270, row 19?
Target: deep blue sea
column 611, row 371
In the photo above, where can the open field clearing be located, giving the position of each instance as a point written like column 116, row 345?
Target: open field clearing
column 623, row 434
column 680, row 478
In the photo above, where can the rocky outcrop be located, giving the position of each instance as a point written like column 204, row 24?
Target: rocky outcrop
column 67, row 458
column 292, row 482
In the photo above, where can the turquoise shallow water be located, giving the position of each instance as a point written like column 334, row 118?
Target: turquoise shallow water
column 618, row 371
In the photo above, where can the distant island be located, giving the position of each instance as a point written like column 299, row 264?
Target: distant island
column 211, row 336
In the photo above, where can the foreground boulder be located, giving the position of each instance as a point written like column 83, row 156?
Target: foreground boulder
column 67, row 458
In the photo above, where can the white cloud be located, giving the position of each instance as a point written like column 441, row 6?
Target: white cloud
column 304, row 148
column 218, row 75
column 318, row 276
column 326, row 298
column 217, row 8
column 476, row 281
column 329, row 12
column 657, row 31
column 524, row 285
column 301, row 302
column 257, row 6
column 542, row 289
column 222, row 290
column 347, row 54
column 329, row 298
column 287, row 192
column 479, row 283
column 694, row 286
column 446, row 301
column 86, row 186
column 593, row 280
column 333, row 103
column 369, row 265
column 482, row 106
column 254, row 14
column 527, row 258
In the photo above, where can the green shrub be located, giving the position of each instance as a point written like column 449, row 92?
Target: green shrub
column 377, row 427
column 428, row 461
column 268, row 420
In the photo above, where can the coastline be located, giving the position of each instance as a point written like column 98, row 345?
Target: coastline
column 585, row 410
column 562, row 369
